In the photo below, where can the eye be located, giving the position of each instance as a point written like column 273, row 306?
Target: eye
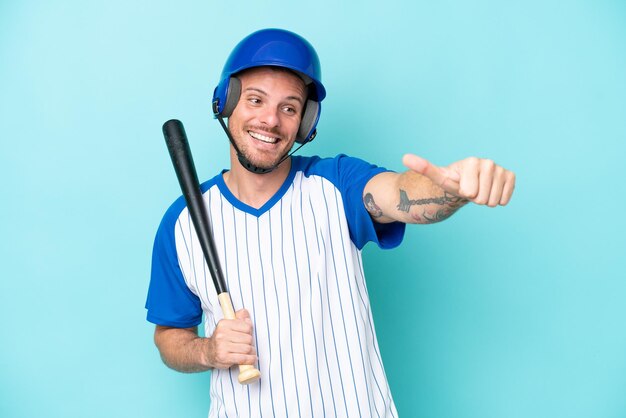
column 290, row 110
column 254, row 100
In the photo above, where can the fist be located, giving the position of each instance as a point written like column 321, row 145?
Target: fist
column 476, row 179
column 232, row 342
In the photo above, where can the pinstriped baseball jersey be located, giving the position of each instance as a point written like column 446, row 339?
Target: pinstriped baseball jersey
column 295, row 265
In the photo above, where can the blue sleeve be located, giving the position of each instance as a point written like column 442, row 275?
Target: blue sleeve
column 354, row 174
column 350, row 175
column 170, row 302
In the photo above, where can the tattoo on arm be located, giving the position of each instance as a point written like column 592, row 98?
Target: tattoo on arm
column 440, row 215
column 447, row 199
column 371, row 206
column 449, row 202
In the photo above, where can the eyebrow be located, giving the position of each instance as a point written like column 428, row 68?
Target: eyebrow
column 263, row 92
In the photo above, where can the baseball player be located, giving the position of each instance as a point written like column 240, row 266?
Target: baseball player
column 289, row 231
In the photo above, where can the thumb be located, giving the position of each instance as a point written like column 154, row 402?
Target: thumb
column 242, row 314
column 441, row 176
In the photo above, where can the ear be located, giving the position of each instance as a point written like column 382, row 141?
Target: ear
column 308, row 122
column 232, row 96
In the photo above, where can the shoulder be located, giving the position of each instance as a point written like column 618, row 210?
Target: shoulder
column 348, row 175
column 332, row 167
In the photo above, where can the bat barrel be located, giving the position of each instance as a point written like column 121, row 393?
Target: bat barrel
column 178, row 147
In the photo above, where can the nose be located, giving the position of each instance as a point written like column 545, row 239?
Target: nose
column 269, row 116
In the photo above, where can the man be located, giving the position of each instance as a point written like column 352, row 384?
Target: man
column 289, row 231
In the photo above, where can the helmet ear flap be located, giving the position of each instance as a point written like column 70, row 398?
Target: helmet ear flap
column 309, row 120
column 232, row 96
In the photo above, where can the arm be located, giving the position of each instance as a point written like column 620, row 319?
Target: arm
column 231, row 343
column 182, row 349
column 426, row 193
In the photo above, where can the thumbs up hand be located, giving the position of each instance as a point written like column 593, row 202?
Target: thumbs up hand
column 478, row 180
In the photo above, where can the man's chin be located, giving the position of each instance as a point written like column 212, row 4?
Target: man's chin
column 264, row 165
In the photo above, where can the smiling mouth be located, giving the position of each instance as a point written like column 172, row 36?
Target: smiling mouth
column 263, row 138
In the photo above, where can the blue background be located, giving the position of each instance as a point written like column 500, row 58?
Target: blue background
column 507, row 312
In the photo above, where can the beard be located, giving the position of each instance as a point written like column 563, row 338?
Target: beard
column 264, row 159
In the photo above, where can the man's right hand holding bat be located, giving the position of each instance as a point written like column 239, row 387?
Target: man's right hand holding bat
column 231, row 344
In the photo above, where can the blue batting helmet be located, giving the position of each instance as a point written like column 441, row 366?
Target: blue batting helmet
column 275, row 48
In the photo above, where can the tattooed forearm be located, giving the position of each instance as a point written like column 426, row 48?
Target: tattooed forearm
column 448, row 204
column 447, row 199
column 371, row 206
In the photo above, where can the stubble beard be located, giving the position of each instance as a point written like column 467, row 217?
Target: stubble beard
column 259, row 158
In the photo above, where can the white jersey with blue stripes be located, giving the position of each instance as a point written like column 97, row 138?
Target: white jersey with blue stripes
column 295, row 265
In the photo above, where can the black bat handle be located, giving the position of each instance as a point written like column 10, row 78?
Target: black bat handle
column 178, row 147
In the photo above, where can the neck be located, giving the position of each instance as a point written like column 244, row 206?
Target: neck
column 254, row 189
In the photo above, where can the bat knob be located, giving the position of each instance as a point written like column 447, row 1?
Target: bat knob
column 248, row 374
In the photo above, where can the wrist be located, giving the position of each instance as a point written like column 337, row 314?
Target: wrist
column 205, row 350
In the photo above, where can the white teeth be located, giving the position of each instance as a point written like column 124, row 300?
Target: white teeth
column 263, row 138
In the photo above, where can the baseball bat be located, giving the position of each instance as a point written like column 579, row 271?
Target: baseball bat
column 178, row 147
